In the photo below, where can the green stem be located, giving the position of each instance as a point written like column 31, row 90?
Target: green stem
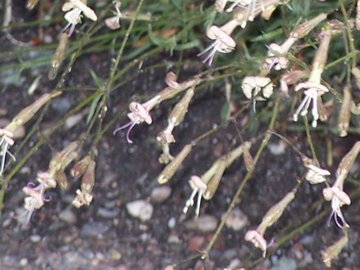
column 236, row 198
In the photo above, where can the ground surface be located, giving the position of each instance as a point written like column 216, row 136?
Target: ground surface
column 105, row 236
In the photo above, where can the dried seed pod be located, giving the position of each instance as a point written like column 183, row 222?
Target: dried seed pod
column 303, row 29
column 346, row 164
column 26, row 114
column 61, row 160
column 170, row 169
column 178, row 113
column 80, row 167
column 275, row 212
column 333, row 251
column 58, row 56
column 344, row 115
column 31, row 4
column 212, row 185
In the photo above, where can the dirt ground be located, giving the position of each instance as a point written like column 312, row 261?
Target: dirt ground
column 105, row 236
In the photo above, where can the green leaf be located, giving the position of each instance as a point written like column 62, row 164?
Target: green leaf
column 93, row 107
column 98, row 81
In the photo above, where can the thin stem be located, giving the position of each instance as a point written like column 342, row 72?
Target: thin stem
column 236, row 198
column 309, row 140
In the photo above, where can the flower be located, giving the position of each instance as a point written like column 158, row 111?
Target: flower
column 257, row 239
column 250, row 4
column 338, row 198
column 114, row 22
column 139, row 114
column 252, row 85
column 199, row 187
column 312, row 95
column 73, row 9
column 223, row 43
column 6, row 140
column 315, row 174
column 36, row 197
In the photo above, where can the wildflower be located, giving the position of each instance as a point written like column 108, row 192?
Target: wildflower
column 253, row 85
column 333, row 251
column 6, row 142
column 114, row 22
column 223, row 42
column 139, row 113
column 36, row 194
column 314, row 88
column 335, row 194
column 315, row 174
column 277, row 53
column 274, row 213
column 249, row 4
column 199, row 187
column 73, row 9
column 338, row 198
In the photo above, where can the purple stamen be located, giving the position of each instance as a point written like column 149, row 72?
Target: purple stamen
column 130, row 125
column 46, row 198
column 213, row 49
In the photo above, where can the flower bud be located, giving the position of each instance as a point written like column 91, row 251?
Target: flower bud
column 344, row 115
column 170, row 169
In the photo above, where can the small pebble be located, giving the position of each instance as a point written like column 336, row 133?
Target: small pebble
column 236, row 220
column 23, row 262
column 35, row 238
column 205, row 223
column 277, row 149
column 68, row 216
column 160, row 194
column 140, row 209
column 106, row 213
column 171, row 223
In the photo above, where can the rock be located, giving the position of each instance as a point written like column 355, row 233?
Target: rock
column 160, row 194
column 236, row 220
column 140, row 209
column 94, row 230
column 205, row 223
column 106, row 213
column 68, row 216
column 277, row 149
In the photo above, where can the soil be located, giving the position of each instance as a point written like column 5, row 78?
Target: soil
column 105, row 236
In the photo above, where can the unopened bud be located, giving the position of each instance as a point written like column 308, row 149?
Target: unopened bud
column 30, row 4
column 344, row 115
column 58, row 56
column 346, row 164
column 80, row 167
column 275, row 212
column 170, row 169
column 26, row 114
column 303, row 29
column 178, row 113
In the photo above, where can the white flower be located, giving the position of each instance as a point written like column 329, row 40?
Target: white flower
column 252, row 85
column 114, row 22
column 223, row 43
column 73, row 9
column 199, row 187
column 276, row 58
column 316, row 175
column 6, row 140
column 82, row 198
column 257, row 239
column 338, row 198
column 313, row 92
